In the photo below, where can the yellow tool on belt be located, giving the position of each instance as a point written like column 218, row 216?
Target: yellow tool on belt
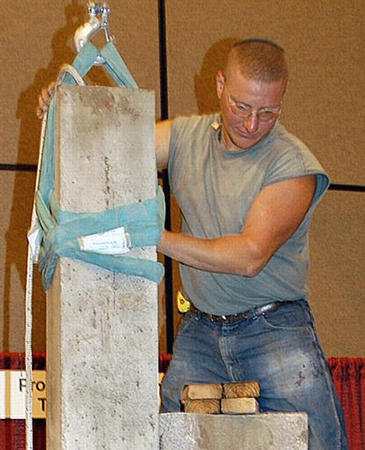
column 183, row 305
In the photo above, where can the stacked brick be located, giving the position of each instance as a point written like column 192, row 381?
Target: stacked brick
column 228, row 398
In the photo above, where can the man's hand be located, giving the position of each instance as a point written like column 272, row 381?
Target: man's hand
column 44, row 99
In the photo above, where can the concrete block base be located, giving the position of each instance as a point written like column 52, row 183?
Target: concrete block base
column 265, row 431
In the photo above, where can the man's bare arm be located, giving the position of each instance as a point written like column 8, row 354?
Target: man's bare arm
column 163, row 132
column 274, row 216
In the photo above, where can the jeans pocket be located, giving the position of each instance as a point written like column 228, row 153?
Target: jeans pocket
column 289, row 316
column 187, row 319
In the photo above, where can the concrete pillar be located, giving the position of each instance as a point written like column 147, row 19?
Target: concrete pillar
column 266, row 431
column 102, row 342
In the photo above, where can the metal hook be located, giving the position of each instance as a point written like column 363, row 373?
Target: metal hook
column 87, row 31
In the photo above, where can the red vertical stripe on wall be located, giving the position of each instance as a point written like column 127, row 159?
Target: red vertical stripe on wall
column 348, row 375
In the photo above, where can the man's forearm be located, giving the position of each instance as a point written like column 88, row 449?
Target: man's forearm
column 227, row 254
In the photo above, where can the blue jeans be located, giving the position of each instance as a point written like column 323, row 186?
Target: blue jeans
column 280, row 350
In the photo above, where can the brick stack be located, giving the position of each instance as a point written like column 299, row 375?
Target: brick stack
column 228, row 398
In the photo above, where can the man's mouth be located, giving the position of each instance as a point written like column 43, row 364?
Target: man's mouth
column 246, row 135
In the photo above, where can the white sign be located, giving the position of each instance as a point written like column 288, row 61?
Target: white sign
column 13, row 396
column 112, row 242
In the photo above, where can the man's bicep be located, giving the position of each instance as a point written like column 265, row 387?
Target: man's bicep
column 163, row 133
column 277, row 212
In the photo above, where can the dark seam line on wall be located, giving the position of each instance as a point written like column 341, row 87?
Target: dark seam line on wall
column 346, row 187
column 169, row 310
column 19, row 167
column 163, row 61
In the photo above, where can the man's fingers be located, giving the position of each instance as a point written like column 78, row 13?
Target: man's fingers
column 44, row 99
column 41, row 110
column 51, row 88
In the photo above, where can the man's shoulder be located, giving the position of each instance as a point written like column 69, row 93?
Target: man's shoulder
column 285, row 138
column 196, row 121
column 289, row 145
column 290, row 157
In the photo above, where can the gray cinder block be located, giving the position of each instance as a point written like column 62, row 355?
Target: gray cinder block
column 102, row 342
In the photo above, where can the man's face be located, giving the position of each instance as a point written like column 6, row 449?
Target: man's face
column 249, row 108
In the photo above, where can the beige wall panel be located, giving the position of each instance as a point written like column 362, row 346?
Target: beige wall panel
column 16, row 203
column 323, row 39
column 337, row 273
column 37, row 37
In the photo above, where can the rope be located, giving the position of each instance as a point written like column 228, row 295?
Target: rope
column 31, row 257
column 28, row 352
column 68, row 69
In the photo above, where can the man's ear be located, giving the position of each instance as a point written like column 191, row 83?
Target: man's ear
column 219, row 79
column 286, row 88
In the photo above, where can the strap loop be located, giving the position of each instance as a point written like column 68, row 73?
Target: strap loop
column 68, row 69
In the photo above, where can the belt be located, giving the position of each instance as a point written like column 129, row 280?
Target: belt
column 249, row 314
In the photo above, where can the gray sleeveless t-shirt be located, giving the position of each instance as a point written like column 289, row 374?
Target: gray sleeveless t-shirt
column 215, row 189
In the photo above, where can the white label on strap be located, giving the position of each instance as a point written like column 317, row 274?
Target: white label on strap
column 113, row 242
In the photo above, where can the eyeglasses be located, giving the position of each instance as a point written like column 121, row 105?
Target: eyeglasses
column 245, row 112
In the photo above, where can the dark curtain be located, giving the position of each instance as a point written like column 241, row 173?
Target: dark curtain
column 348, row 375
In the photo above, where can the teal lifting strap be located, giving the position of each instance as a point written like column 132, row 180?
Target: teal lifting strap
column 143, row 221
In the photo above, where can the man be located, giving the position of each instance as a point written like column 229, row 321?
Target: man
column 247, row 190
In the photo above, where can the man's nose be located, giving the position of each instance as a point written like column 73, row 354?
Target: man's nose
column 252, row 123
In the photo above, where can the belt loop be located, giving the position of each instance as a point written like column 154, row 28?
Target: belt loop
column 254, row 313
